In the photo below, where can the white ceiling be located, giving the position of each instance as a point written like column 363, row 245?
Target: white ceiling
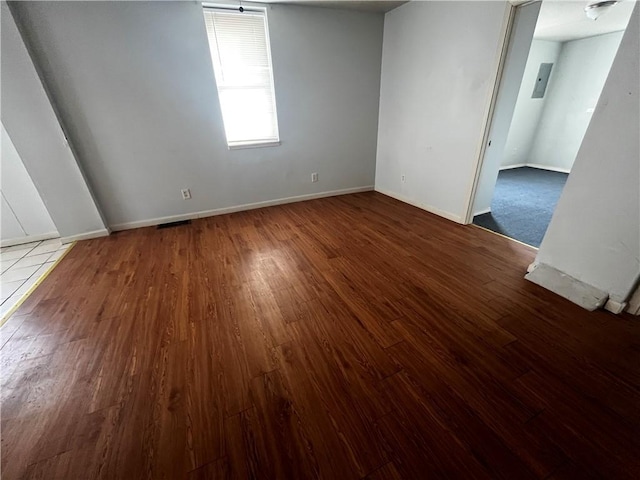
column 564, row 20
column 362, row 6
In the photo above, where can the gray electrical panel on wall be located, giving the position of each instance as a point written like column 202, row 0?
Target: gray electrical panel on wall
column 541, row 80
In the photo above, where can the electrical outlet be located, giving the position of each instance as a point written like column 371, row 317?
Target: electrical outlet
column 186, row 193
column 402, row 178
column 314, row 177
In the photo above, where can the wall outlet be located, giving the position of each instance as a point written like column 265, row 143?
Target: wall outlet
column 186, row 193
column 402, row 178
column 314, row 177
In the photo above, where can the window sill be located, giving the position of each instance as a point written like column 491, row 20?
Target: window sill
column 239, row 146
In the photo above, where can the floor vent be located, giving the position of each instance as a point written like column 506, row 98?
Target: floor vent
column 174, row 224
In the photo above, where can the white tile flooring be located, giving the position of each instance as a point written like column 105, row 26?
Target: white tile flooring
column 22, row 266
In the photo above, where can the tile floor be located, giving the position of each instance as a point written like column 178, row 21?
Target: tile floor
column 22, row 266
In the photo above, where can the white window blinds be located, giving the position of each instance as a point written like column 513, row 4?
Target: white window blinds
column 242, row 65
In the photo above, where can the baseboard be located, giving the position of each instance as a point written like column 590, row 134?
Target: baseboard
column 517, row 165
column 422, row 206
column 633, row 306
column 28, row 239
column 237, row 208
column 539, row 166
column 547, row 167
column 572, row 289
column 85, row 236
column 615, row 307
column 482, row 212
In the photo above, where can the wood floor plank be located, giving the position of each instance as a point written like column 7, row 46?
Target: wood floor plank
column 387, row 472
column 342, row 338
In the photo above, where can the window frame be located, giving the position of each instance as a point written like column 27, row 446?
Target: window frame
column 262, row 11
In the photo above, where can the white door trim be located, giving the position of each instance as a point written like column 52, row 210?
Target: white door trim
column 507, row 29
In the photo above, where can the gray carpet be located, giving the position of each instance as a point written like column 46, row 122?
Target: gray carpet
column 523, row 203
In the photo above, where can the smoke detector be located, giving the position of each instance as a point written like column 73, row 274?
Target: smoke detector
column 594, row 9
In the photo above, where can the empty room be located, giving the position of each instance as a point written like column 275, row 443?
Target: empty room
column 238, row 240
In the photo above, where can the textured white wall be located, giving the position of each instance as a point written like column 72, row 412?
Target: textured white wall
column 134, row 84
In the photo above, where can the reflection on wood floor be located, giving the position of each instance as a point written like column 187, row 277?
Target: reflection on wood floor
column 340, row 338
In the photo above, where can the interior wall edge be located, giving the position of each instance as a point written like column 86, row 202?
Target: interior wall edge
column 492, row 100
column 507, row 87
column 45, row 156
column 54, row 106
column 594, row 234
column 428, row 208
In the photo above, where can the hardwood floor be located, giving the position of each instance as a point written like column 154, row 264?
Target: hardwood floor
column 348, row 337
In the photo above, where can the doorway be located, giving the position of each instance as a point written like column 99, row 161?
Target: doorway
column 556, row 64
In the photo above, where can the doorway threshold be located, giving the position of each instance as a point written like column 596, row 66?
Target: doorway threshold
column 504, row 236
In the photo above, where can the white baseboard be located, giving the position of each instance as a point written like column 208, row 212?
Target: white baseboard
column 634, row 303
column 85, row 236
column 422, row 206
column 482, row 212
column 580, row 293
column 28, row 239
column 517, row 165
column 615, row 307
column 538, row 166
column 237, row 208
column 547, row 167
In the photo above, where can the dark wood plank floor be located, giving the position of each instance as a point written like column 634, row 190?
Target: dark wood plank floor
column 343, row 338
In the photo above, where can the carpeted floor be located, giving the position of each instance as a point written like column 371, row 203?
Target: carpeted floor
column 523, row 202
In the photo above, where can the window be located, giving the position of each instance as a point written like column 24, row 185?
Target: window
column 242, row 65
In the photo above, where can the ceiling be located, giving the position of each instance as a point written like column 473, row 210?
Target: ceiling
column 564, row 20
column 361, row 6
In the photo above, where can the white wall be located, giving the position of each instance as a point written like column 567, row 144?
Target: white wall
column 594, row 235
column 11, row 228
column 22, row 206
column 520, row 40
column 582, row 68
column 31, row 122
column 134, row 85
column 528, row 110
column 438, row 71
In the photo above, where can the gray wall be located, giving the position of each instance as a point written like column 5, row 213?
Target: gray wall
column 594, row 235
column 31, row 122
column 582, row 68
column 438, row 72
column 528, row 110
column 135, row 86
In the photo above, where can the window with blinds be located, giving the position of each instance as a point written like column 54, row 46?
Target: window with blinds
column 242, row 65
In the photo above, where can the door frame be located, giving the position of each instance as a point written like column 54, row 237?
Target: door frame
column 488, row 119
